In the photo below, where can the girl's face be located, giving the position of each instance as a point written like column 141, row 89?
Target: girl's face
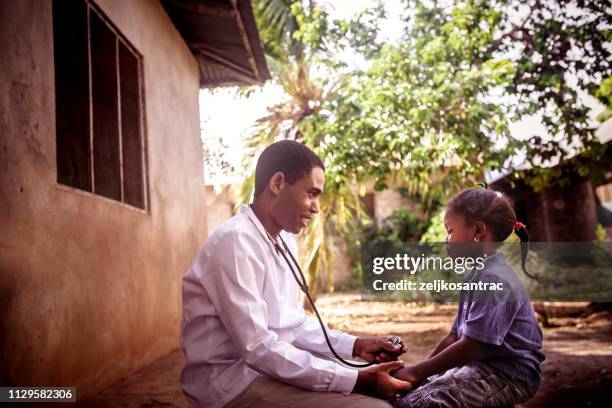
column 460, row 236
column 456, row 229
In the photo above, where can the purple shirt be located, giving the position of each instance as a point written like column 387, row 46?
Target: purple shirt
column 504, row 321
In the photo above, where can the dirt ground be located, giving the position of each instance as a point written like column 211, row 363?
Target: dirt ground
column 577, row 371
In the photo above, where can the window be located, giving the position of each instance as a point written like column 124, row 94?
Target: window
column 99, row 105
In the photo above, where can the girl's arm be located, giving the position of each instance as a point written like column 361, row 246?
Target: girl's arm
column 447, row 341
column 456, row 354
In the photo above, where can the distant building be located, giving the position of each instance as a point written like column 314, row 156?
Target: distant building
column 102, row 204
column 563, row 213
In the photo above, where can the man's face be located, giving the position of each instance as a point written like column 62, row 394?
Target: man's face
column 299, row 202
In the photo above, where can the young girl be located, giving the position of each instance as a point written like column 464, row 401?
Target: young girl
column 491, row 356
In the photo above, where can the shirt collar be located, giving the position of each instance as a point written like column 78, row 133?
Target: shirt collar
column 248, row 211
column 496, row 258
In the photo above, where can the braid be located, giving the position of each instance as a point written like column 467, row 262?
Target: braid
column 520, row 229
column 494, row 210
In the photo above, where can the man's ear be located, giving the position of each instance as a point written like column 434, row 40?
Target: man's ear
column 480, row 230
column 276, row 182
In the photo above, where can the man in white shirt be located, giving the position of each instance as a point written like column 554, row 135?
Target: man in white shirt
column 246, row 339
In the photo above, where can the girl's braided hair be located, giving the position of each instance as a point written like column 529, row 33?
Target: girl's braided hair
column 495, row 211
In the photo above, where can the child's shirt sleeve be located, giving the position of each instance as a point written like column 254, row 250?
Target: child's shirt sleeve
column 490, row 313
column 455, row 327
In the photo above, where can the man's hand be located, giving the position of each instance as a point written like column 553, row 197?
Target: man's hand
column 376, row 349
column 378, row 382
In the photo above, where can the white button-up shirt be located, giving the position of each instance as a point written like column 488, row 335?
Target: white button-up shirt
column 242, row 318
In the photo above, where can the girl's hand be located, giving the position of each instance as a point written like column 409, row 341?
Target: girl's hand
column 409, row 374
column 457, row 354
column 378, row 382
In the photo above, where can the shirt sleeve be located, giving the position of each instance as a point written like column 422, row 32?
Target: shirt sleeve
column 309, row 336
column 235, row 288
column 455, row 327
column 491, row 313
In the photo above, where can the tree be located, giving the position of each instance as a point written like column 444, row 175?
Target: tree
column 435, row 108
column 300, row 38
column 604, row 94
column 432, row 112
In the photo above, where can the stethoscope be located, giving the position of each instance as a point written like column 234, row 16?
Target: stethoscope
column 301, row 281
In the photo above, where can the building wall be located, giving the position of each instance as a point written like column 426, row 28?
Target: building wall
column 388, row 201
column 341, row 267
column 219, row 207
column 378, row 205
column 90, row 288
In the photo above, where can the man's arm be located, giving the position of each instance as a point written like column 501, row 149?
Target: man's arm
column 458, row 353
column 234, row 286
column 309, row 337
